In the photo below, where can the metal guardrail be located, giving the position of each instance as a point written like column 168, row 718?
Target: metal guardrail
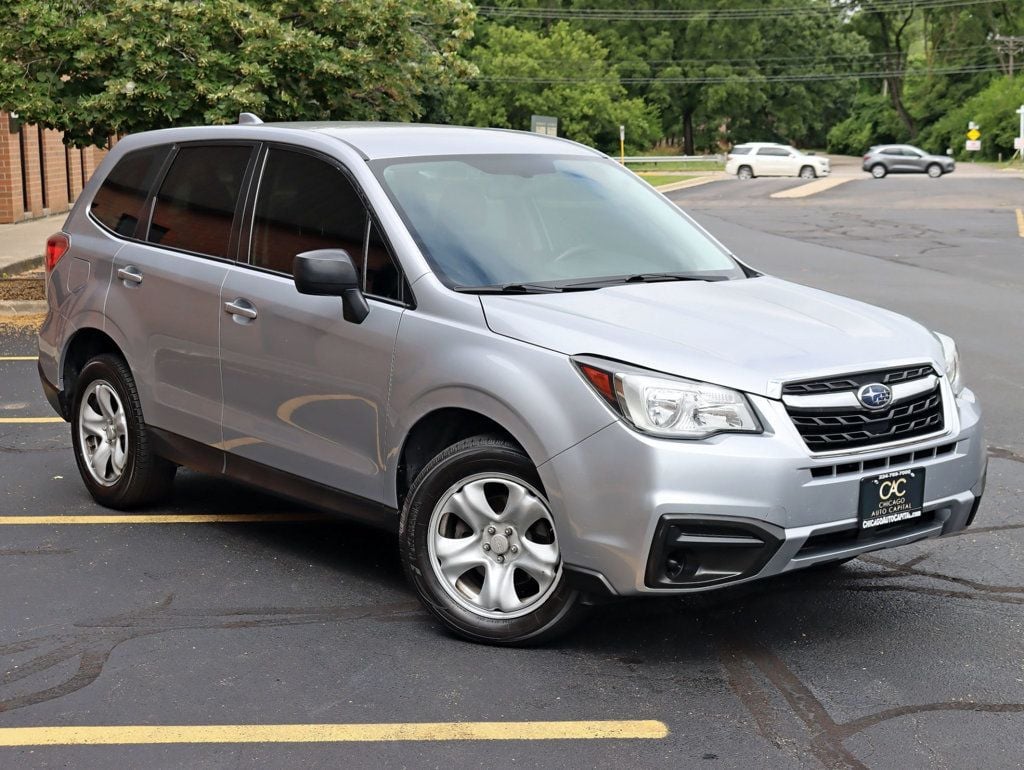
column 674, row 158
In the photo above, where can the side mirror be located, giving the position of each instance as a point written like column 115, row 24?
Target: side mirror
column 330, row 273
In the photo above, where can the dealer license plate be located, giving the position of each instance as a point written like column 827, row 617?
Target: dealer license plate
column 891, row 498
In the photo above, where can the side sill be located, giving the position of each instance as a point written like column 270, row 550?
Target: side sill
column 215, row 462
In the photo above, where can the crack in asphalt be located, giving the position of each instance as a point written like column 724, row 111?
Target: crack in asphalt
column 93, row 645
column 40, row 551
column 825, row 737
column 1005, row 454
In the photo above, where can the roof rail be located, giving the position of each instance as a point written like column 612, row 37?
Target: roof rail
column 248, row 119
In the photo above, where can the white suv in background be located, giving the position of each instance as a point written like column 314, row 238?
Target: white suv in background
column 769, row 159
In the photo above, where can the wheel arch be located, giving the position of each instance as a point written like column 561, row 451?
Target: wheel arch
column 437, row 430
column 84, row 344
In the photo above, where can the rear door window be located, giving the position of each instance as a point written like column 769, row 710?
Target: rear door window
column 195, row 207
column 119, row 202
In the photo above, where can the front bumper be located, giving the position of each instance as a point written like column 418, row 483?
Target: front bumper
column 611, row 492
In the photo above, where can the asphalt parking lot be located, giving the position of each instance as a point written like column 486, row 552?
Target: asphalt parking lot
column 233, row 608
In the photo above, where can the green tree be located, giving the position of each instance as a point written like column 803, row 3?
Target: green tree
column 993, row 109
column 712, row 78
column 96, row 67
column 562, row 72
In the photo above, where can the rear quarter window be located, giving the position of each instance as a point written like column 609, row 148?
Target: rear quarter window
column 740, row 150
column 119, row 201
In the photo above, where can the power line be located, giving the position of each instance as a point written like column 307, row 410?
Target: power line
column 689, row 14
column 798, row 77
column 758, row 60
column 1008, row 46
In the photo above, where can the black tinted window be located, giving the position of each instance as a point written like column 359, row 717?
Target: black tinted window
column 776, row 151
column 380, row 276
column 119, row 201
column 304, row 204
column 196, row 203
column 740, row 150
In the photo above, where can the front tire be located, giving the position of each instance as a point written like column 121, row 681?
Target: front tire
column 934, row 170
column 108, row 433
column 807, row 173
column 478, row 544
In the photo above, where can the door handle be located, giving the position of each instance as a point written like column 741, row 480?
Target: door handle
column 241, row 307
column 130, row 274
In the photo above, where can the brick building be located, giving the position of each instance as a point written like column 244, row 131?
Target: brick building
column 39, row 174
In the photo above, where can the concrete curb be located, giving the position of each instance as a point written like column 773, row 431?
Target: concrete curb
column 21, row 265
column 22, row 307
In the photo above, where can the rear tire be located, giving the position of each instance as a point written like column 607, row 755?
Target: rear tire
column 109, row 437
column 743, row 173
column 479, row 547
column 934, row 170
column 878, row 171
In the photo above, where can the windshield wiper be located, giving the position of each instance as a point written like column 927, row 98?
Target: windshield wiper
column 519, row 288
column 597, row 283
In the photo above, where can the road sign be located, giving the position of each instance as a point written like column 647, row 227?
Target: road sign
column 544, row 124
column 974, row 134
column 1018, row 142
column 971, row 124
column 973, row 145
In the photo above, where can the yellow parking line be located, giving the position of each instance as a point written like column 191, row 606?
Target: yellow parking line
column 1020, row 222
column 183, row 518
column 331, row 733
column 19, row 358
column 29, row 420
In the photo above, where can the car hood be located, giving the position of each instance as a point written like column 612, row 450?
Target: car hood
column 751, row 334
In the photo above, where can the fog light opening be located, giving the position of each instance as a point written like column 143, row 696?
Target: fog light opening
column 679, row 564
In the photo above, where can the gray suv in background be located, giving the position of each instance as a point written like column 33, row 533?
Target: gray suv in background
column 543, row 376
column 905, row 159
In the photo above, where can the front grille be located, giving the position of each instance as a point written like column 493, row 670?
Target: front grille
column 853, row 381
column 830, row 429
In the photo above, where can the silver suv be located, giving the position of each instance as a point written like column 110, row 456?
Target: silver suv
column 547, row 379
column 905, row 159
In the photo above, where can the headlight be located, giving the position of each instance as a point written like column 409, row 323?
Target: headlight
column 952, row 363
column 672, row 407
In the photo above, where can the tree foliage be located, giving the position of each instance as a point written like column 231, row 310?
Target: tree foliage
column 95, row 67
column 519, row 74
column 854, row 72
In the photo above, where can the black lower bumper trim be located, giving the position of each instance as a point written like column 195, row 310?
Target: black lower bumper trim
column 53, row 395
column 589, row 582
column 691, row 551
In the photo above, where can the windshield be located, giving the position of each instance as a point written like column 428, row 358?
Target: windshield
column 497, row 220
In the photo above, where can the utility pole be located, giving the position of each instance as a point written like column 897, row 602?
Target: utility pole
column 1008, row 45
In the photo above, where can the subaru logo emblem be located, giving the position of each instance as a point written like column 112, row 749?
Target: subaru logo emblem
column 875, row 396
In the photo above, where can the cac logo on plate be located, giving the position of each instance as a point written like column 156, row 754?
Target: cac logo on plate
column 875, row 396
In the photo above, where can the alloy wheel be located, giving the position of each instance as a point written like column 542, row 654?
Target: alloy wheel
column 103, row 433
column 491, row 543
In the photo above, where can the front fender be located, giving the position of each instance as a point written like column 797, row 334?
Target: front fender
column 532, row 392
